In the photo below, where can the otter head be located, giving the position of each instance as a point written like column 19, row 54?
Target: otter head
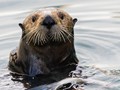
column 48, row 25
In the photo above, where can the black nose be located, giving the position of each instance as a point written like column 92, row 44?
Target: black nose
column 48, row 22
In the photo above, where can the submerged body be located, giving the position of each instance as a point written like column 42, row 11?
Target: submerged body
column 46, row 46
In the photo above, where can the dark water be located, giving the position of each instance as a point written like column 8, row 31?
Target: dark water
column 97, row 38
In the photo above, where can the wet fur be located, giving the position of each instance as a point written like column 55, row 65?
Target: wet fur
column 54, row 57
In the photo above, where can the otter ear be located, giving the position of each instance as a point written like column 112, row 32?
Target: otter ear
column 22, row 27
column 74, row 20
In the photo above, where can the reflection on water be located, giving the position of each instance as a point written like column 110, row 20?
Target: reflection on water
column 97, row 38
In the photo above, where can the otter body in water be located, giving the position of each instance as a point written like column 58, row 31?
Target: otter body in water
column 46, row 45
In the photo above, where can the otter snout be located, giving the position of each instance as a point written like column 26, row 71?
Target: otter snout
column 48, row 22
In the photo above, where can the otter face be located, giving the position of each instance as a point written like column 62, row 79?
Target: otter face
column 48, row 25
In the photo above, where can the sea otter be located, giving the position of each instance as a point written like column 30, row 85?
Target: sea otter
column 46, row 46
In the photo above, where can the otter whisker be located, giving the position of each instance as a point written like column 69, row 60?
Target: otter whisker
column 66, row 36
column 40, row 37
column 35, row 37
column 46, row 38
column 63, row 28
column 43, row 38
column 62, row 35
column 59, row 36
column 67, row 33
column 55, row 36
column 51, row 37
column 30, row 37
column 27, row 34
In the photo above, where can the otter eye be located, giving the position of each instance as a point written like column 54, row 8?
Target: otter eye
column 61, row 15
column 34, row 18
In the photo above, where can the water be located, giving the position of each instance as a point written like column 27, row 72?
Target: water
column 97, row 38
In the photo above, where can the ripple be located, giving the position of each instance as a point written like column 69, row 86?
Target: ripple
column 97, row 38
column 12, row 13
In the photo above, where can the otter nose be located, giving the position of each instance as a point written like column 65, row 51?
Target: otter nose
column 48, row 22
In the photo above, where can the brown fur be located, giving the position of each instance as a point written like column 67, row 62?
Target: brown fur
column 52, row 56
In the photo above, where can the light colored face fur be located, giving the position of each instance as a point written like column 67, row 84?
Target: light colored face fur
column 39, row 34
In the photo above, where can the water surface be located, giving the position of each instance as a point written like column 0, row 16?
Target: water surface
column 97, row 38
